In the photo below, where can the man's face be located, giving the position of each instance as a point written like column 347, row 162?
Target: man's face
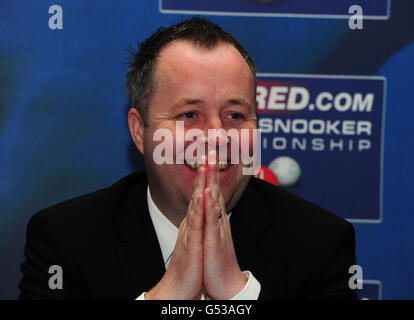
column 206, row 89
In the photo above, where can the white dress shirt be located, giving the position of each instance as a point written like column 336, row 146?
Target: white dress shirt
column 167, row 234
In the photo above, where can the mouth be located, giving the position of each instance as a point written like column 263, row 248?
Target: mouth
column 222, row 165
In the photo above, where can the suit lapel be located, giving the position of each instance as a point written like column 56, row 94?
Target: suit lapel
column 258, row 240
column 138, row 250
column 249, row 221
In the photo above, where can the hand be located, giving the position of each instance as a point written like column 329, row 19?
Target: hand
column 184, row 275
column 222, row 277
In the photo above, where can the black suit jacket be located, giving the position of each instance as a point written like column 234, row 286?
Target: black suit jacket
column 107, row 247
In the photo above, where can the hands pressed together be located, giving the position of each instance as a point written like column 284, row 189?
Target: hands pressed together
column 204, row 259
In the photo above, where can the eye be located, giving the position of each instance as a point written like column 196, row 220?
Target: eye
column 188, row 115
column 236, row 116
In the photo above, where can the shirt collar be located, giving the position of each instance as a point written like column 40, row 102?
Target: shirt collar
column 166, row 231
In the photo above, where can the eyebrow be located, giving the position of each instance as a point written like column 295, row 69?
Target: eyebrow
column 187, row 101
column 239, row 101
column 232, row 101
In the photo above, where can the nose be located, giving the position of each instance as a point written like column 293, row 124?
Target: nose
column 214, row 122
column 216, row 137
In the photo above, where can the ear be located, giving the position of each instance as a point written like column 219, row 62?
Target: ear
column 136, row 128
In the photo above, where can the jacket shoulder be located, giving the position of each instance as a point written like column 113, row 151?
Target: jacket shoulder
column 92, row 211
column 314, row 245
column 291, row 209
column 302, row 226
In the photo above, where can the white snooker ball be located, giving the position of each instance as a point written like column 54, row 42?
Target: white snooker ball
column 287, row 171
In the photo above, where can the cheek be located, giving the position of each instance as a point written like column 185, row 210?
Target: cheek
column 148, row 148
column 172, row 136
column 179, row 145
column 248, row 141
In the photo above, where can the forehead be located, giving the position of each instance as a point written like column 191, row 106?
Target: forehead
column 182, row 53
column 188, row 50
column 185, row 69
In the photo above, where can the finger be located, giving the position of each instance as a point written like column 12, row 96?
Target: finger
column 212, row 228
column 190, row 207
column 194, row 197
column 196, row 224
column 212, row 176
column 195, row 215
column 212, row 179
column 182, row 236
column 200, row 182
column 218, row 179
column 222, row 205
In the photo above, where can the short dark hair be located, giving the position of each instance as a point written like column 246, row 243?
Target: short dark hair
column 139, row 80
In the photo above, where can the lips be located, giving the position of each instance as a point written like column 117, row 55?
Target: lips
column 222, row 165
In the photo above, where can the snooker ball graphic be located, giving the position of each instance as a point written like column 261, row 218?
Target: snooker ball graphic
column 287, row 171
column 266, row 174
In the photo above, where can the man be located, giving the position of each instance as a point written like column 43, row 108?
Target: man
column 191, row 230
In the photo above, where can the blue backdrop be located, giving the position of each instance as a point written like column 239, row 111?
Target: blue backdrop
column 63, row 106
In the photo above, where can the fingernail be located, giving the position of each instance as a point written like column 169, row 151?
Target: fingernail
column 212, row 157
column 208, row 194
column 203, row 160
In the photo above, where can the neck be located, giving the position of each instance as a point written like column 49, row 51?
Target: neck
column 173, row 214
